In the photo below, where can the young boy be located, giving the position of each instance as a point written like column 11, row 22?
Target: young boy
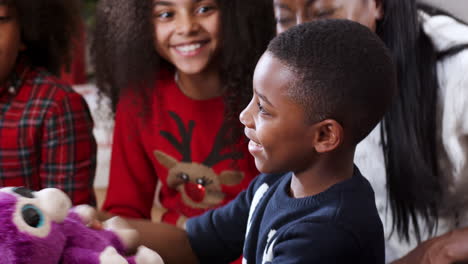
column 318, row 90
column 46, row 135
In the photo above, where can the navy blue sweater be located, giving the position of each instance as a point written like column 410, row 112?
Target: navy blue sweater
column 266, row 225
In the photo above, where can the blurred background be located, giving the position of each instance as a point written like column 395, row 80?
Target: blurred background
column 82, row 78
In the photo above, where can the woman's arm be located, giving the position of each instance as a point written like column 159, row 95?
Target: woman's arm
column 449, row 248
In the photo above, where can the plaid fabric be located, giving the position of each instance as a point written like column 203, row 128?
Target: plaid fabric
column 46, row 135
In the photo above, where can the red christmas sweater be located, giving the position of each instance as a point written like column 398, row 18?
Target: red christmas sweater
column 182, row 146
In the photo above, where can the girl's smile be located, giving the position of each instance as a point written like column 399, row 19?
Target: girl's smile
column 187, row 33
column 190, row 49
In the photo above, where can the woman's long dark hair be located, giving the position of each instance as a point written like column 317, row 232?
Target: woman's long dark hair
column 415, row 185
column 125, row 58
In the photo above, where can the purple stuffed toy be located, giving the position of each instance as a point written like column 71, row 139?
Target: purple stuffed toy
column 41, row 227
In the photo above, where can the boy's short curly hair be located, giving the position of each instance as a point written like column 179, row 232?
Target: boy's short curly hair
column 344, row 72
column 48, row 28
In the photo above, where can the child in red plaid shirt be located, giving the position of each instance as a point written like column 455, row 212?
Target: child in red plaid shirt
column 46, row 135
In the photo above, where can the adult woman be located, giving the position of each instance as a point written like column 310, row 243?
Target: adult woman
column 418, row 152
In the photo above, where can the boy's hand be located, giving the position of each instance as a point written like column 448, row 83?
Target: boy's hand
column 128, row 235
column 450, row 248
column 88, row 215
column 96, row 224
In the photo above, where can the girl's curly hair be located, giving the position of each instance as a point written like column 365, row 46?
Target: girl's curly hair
column 48, row 28
column 124, row 55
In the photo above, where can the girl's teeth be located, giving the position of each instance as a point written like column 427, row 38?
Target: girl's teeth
column 189, row 48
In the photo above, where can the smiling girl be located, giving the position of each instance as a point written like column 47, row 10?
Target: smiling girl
column 181, row 71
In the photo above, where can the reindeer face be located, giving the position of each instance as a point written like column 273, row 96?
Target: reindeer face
column 198, row 184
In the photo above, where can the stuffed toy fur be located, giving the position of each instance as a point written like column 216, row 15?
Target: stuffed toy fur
column 40, row 227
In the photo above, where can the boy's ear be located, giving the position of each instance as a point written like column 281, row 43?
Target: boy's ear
column 379, row 9
column 329, row 135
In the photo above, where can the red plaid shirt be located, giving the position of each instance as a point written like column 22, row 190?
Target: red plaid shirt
column 46, row 135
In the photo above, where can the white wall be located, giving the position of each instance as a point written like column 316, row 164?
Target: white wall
column 103, row 128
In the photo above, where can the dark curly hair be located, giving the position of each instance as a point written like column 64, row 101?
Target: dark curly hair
column 47, row 30
column 124, row 55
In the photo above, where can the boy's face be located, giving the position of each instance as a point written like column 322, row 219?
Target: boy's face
column 10, row 41
column 281, row 139
column 289, row 13
column 187, row 33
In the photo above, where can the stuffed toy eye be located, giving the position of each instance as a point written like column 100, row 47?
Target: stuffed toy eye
column 32, row 216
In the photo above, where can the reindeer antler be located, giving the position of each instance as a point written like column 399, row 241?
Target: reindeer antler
column 221, row 141
column 184, row 146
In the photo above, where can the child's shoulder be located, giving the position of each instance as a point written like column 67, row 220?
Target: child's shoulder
column 41, row 85
column 349, row 205
column 357, row 192
column 355, row 208
column 48, row 83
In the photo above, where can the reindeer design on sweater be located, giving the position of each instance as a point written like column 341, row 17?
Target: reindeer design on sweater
column 198, row 184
